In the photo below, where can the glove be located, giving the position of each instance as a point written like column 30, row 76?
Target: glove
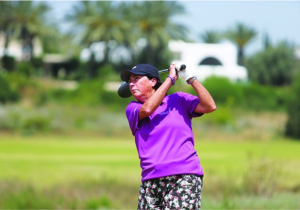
column 181, row 68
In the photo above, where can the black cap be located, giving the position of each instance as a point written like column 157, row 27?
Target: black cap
column 141, row 69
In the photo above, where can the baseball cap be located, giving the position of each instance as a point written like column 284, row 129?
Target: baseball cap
column 141, row 69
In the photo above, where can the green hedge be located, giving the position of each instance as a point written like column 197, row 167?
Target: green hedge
column 293, row 122
column 7, row 93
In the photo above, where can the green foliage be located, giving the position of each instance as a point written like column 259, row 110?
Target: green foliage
column 18, row 195
column 233, row 178
column 7, row 93
column 102, row 202
column 37, row 62
column 38, row 123
column 8, row 62
column 222, row 90
column 293, row 111
column 272, row 66
column 25, row 69
column 221, row 117
column 114, row 102
column 27, row 197
column 258, row 97
column 251, row 96
column 262, row 178
column 241, row 35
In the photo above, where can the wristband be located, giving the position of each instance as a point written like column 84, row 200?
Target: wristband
column 172, row 79
column 189, row 81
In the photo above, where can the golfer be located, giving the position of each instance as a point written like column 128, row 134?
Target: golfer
column 172, row 176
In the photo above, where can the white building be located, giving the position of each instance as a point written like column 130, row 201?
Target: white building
column 205, row 60
column 15, row 48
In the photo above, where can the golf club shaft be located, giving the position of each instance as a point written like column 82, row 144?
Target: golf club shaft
column 182, row 67
column 163, row 70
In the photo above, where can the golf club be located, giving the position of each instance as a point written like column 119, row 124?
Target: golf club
column 124, row 90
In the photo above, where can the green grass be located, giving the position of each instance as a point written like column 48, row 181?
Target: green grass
column 55, row 157
column 235, row 172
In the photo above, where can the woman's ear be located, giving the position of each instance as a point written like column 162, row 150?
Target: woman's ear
column 154, row 82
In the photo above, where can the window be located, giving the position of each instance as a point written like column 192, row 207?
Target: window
column 210, row 61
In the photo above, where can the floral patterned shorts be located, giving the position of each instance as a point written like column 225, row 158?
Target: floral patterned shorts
column 171, row 192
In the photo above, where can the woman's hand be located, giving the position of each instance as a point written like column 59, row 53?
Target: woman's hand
column 173, row 72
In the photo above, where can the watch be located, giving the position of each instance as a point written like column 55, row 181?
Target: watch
column 190, row 80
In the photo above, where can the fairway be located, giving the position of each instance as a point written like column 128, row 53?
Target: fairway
column 52, row 159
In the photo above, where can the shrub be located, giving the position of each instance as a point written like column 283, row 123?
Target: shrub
column 8, row 62
column 258, row 97
column 293, row 111
column 262, row 177
column 25, row 69
column 7, row 94
column 272, row 66
column 114, row 101
column 222, row 90
column 36, row 123
column 99, row 203
column 222, row 116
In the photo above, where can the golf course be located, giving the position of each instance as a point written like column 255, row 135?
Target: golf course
column 91, row 172
column 215, row 77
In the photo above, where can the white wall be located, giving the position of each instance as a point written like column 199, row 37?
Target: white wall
column 192, row 54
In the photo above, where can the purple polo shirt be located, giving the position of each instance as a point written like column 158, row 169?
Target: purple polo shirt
column 165, row 140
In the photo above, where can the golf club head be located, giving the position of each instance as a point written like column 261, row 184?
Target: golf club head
column 124, row 91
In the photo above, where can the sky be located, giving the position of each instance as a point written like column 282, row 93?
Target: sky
column 280, row 20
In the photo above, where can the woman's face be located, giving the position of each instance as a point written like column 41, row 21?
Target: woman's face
column 141, row 87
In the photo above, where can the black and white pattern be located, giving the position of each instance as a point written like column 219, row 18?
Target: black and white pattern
column 171, row 192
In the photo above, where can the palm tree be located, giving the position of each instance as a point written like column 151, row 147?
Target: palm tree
column 155, row 25
column 6, row 20
column 240, row 35
column 30, row 22
column 96, row 21
column 210, row 36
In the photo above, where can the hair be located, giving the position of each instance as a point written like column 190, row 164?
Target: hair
column 158, row 82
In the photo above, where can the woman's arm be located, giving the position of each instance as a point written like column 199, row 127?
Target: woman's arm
column 206, row 102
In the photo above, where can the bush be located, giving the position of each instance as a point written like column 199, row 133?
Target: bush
column 8, row 62
column 222, row 90
column 293, row 111
column 25, row 69
column 272, row 66
column 36, row 123
column 258, row 97
column 7, row 94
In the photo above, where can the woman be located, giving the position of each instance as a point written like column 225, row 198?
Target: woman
column 171, row 172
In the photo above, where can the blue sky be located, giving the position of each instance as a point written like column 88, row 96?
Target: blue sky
column 279, row 19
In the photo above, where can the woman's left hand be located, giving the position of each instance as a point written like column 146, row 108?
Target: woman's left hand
column 173, row 72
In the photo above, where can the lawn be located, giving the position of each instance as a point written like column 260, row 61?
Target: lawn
column 55, row 157
column 46, row 161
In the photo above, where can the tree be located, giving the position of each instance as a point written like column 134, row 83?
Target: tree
column 30, row 22
column 210, row 36
column 156, row 27
column 240, row 34
column 272, row 66
column 98, row 21
column 6, row 20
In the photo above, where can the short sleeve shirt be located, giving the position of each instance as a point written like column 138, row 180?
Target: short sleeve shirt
column 164, row 140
